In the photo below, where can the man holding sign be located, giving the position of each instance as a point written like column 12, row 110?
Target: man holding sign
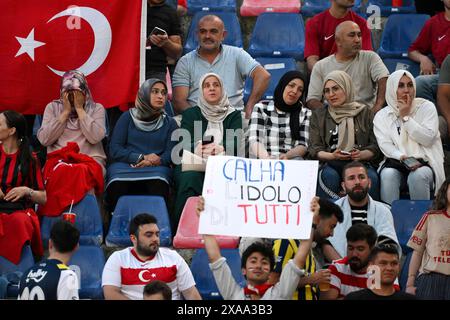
column 257, row 263
column 258, row 198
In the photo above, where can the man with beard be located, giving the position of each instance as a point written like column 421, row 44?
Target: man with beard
column 350, row 273
column 368, row 72
column 359, row 207
column 385, row 262
column 284, row 249
column 257, row 263
column 128, row 271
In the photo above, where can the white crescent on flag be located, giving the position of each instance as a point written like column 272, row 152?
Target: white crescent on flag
column 102, row 37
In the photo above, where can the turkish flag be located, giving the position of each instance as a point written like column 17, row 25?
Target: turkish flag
column 40, row 40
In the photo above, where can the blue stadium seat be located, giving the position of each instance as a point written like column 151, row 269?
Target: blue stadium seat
column 127, row 208
column 204, row 278
column 312, row 7
column 195, row 6
column 394, row 64
column 278, row 35
column 26, row 262
column 399, row 32
column 232, row 26
column 276, row 67
column 386, row 7
column 88, row 263
column 406, row 214
column 88, row 221
column 403, row 276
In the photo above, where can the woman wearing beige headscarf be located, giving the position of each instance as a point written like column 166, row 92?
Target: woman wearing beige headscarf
column 340, row 133
column 408, row 127
column 213, row 116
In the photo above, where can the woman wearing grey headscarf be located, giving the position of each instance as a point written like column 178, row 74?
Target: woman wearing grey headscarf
column 213, row 116
column 340, row 133
column 140, row 147
column 408, row 128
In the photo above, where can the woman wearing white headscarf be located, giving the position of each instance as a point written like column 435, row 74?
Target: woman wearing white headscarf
column 213, row 116
column 408, row 127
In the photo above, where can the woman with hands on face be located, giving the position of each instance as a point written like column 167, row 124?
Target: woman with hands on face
column 341, row 132
column 141, row 147
column 408, row 128
column 74, row 117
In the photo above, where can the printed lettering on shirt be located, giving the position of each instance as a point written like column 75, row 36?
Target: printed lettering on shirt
column 417, row 240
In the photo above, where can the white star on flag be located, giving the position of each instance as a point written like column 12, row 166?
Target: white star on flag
column 28, row 44
column 153, row 275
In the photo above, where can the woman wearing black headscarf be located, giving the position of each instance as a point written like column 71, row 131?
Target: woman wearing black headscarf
column 281, row 129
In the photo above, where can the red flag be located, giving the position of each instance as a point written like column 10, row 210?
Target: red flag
column 40, row 40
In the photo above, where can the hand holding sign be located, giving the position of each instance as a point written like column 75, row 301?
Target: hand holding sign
column 258, row 198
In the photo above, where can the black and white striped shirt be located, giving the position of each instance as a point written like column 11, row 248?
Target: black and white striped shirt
column 271, row 129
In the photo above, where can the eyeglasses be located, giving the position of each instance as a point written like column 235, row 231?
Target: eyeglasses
column 333, row 89
column 159, row 91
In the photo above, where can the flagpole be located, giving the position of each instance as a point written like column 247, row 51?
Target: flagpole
column 143, row 42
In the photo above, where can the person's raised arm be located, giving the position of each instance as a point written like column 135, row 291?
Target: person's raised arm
column 305, row 245
column 211, row 245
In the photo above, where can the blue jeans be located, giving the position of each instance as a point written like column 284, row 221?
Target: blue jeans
column 330, row 179
column 426, row 87
column 419, row 183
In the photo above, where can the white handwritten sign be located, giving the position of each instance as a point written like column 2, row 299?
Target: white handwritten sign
column 258, row 198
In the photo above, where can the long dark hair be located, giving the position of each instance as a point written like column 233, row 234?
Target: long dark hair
column 441, row 201
column 18, row 121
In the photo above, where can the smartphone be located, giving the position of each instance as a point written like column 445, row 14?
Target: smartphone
column 158, row 31
column 411, row 162
column 345, row 152
column 207, row 140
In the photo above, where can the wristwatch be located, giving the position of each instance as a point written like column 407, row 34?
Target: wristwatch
column 303, row 273
column 405, row 118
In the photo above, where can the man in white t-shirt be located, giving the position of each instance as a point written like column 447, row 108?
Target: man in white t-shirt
column 127, row 271
column 367, row 70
